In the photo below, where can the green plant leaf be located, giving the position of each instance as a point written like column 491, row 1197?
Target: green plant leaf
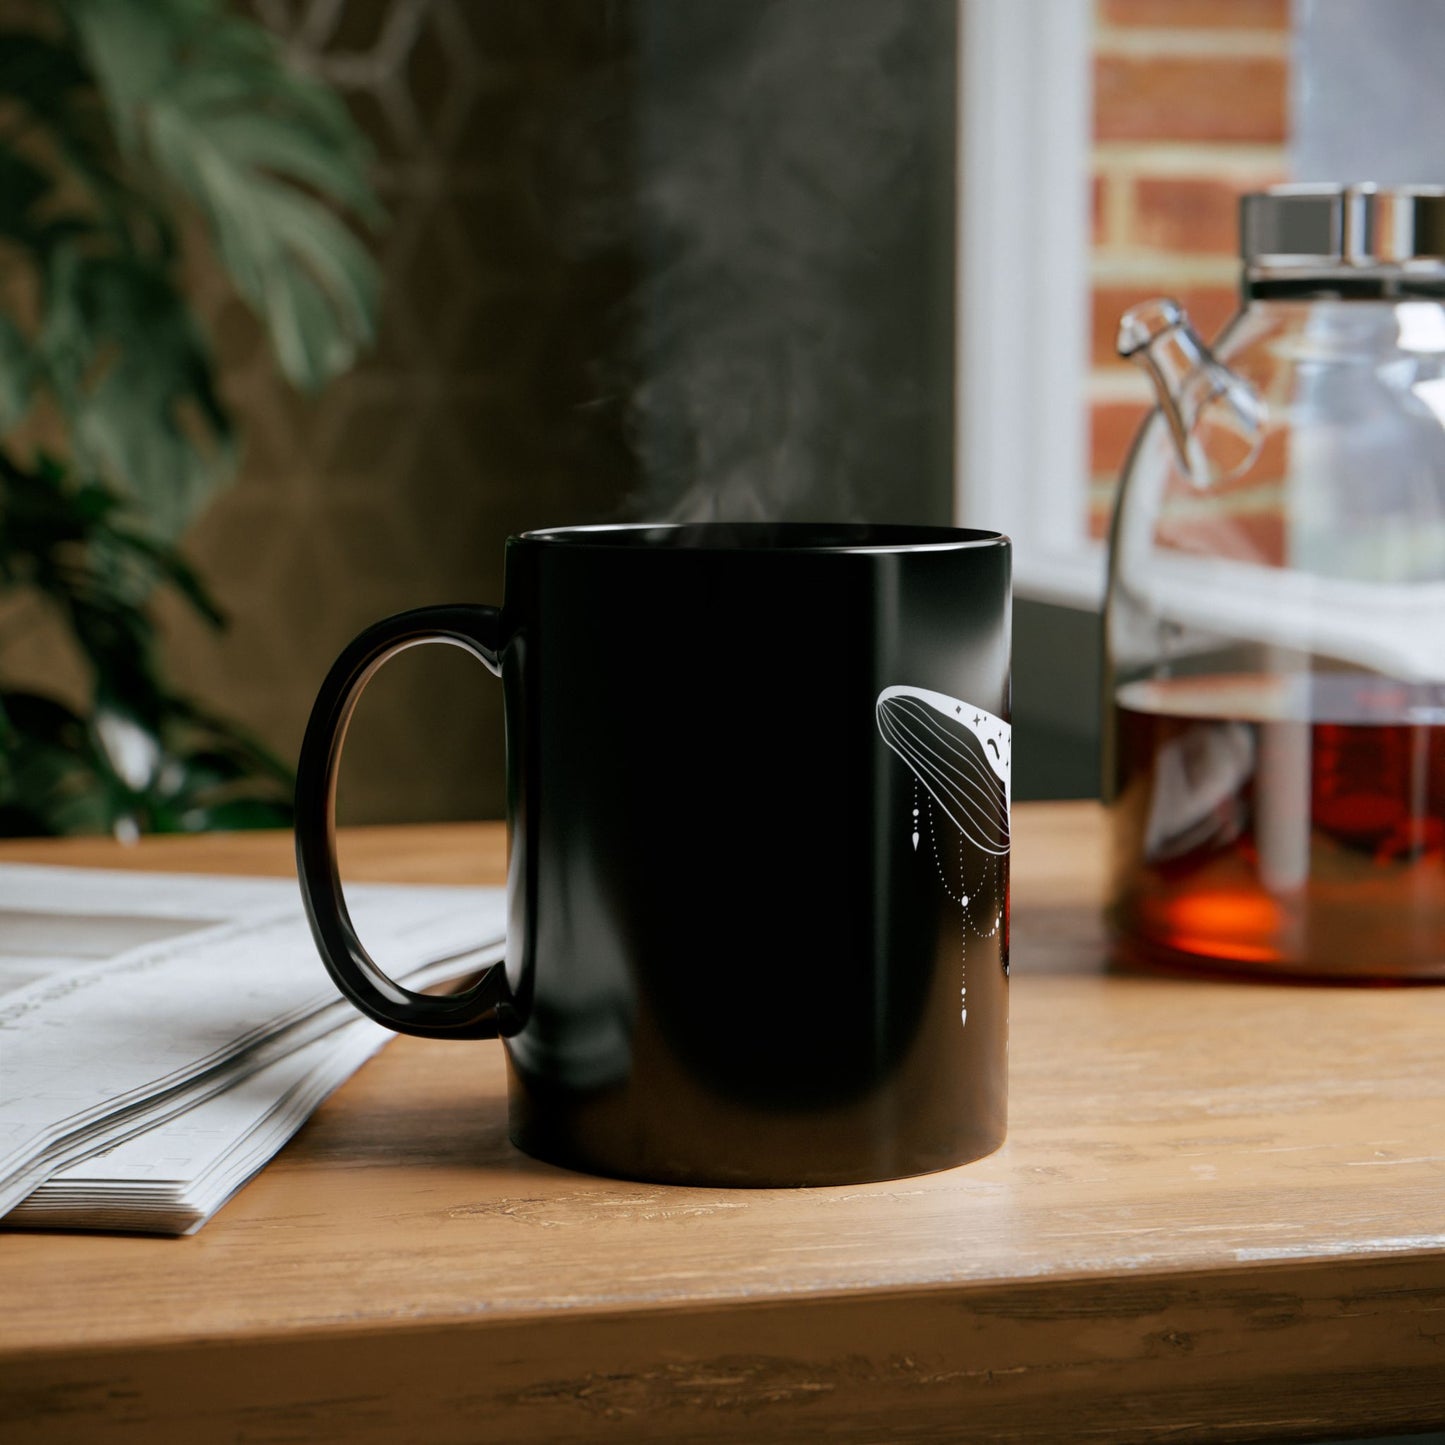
column 169, row 566
column 42, row 719
column 262, row 150
column 22, row 185
column 74, row 547
column 49, row 783
column 112, row 117
column 54, row 96
column 134, row 378
column 17, row 370
column 236, row 813
column 61, row 773
column 220, row 737
column 38, row 72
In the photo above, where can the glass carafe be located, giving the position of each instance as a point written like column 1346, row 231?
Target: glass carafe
column 1275, row 623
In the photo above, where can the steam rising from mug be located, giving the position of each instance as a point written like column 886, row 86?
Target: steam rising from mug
column 792, row 185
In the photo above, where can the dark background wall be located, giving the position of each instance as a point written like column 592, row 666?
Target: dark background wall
column 792, row 337
column 1056, row 713
column 645, row 258
column 480, row 413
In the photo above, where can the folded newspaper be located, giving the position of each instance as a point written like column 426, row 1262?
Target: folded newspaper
column 161, row 1036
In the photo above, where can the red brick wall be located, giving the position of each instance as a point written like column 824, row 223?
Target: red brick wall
column 1190, row 110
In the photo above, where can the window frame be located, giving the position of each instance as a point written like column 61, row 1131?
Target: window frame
column 1025, row 118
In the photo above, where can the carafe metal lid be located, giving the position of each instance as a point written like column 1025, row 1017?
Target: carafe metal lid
column 1329, row 227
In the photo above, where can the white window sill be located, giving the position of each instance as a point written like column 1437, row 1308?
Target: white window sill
column 1064, row 579
column 1025, row 122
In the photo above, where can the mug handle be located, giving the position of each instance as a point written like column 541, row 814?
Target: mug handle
column 471, row 1014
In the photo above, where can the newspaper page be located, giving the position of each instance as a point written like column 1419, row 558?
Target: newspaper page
column 128, row 1000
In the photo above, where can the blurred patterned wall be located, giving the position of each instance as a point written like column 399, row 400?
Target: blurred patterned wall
column 478, row 416
column 645, row 258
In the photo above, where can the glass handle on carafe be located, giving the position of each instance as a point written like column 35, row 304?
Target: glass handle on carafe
column 1216, row 419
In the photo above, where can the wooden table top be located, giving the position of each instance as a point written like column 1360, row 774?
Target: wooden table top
column 1220, row 1213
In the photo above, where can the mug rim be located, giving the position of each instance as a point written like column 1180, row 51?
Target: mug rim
column 765, row 537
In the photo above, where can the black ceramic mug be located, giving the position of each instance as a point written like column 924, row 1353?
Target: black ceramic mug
column 758, row 797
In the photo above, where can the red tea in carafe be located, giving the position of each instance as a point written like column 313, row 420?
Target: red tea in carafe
column 1281, row 824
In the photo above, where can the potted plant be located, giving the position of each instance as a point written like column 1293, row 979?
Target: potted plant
column 128, row 130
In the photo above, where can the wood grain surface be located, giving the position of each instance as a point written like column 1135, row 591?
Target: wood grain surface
column 1220, row 1214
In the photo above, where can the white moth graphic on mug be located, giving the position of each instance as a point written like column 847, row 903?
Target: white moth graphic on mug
column 960, row 758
